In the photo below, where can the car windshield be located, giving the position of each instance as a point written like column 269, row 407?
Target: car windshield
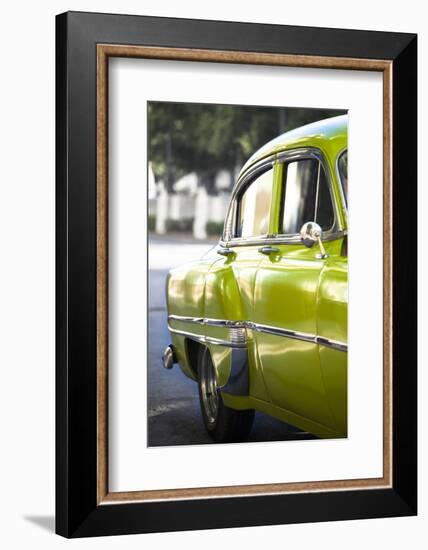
column 343, row 173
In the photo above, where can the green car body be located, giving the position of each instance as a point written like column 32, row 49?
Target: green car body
column 271, row 309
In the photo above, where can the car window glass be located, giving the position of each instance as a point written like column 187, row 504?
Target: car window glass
column 324, row 215
column 254, row 207
column 343, row 171
column 306, row 196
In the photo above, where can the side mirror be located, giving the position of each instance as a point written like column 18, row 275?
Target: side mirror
column 311, row 233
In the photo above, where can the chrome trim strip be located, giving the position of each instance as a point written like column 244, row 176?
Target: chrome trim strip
column 225, row 323
column 196, row 320
column 340, row 346
column 268, row 329
column 206, row 321
column 280, row 239
column 208, row 339
column 295, row 335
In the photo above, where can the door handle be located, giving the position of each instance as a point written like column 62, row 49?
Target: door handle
column 225, row 251
column 268, row 250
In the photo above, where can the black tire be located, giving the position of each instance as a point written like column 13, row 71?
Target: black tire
column 225, row 425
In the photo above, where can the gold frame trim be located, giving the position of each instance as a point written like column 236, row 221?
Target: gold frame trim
column 104, row 51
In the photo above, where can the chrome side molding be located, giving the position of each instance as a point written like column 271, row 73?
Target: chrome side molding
column 237, row 332
column 208, row 339
column 340, row 346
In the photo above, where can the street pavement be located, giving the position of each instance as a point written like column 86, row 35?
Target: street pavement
column 174, row 415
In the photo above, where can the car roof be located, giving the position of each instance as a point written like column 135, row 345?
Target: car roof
column 330, row 133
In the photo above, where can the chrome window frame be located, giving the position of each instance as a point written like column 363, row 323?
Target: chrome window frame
column 300, row 153
column 244, row 182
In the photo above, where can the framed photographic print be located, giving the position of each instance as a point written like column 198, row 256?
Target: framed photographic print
column 236, row 324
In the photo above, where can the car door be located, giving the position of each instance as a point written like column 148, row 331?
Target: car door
column 229, row 287
column 286, row 290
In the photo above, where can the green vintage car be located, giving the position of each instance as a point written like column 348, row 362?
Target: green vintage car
column 260, row 322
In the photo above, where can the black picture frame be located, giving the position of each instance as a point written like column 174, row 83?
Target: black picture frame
column 78, row 513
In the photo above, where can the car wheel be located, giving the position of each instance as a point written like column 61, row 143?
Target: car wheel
column 225, row 425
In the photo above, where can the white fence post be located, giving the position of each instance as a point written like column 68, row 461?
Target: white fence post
column 201, row 214
column 161, row 210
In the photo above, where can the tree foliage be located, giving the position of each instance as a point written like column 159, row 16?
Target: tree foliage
column 204, row 138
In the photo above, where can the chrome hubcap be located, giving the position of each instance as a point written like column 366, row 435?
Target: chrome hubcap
column 209, row 391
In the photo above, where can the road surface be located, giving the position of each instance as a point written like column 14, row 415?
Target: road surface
column 174, row 415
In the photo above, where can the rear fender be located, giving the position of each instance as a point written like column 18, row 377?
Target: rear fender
column 222, row 301
column 185, row 287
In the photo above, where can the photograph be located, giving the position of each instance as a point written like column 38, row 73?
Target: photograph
column 247, row 273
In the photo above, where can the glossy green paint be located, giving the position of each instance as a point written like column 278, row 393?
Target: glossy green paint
column 300, row 382
column 332, row 322
column 229, row 295
column 286, row 294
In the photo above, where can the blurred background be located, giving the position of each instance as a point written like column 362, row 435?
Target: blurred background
column 195, row 153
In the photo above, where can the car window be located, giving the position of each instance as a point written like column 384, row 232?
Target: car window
column 343, row 172
column 254, row 207
column 306, row 196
